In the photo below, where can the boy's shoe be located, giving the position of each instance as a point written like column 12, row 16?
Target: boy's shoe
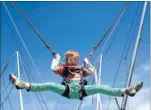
column 132, row 90
column 17, row 82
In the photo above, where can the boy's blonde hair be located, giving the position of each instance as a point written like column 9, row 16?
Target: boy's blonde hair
column 73, row 54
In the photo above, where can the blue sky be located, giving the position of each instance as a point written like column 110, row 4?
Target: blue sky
column 78, row 26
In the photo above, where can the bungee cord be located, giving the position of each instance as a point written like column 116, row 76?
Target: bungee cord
column 24, row 45
column 34, row 29
column 111, row 28
column 123, row 53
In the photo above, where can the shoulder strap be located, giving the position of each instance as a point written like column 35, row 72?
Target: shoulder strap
column 65, row 72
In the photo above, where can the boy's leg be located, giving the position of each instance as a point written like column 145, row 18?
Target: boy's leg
column 118, row 92
column 58, row 88
column 94, row 89
column 54, row 87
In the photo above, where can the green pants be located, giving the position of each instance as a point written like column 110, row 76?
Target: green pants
column 75, row 87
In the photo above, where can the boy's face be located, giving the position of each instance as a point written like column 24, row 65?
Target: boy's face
column 72, row 60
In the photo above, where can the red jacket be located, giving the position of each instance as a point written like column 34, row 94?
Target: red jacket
column 71, row 75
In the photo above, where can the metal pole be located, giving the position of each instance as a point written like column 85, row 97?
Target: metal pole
column 99, row 105
column 94, row 97
column 20, row 92
column 134, row 55
column 150, row 54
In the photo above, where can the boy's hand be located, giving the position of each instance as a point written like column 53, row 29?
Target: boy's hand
column 85, row 61
column 57, row 56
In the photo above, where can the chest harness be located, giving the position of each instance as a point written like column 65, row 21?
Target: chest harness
column 67, row 71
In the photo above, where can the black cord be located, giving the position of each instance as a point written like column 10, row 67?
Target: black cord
column 109, row 29
column 34, row 29
column 122, row 56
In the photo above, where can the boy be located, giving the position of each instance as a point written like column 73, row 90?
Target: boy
column 73, row 86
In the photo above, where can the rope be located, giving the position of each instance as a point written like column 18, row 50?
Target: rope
column 110, row 35
column 117, row 103
column 134, row 28
column 22, row 40
column 5, row 88
column 23, row 73
column 42, row 99
column 31, row 80
column 34, row 29
column 7, row 96
column 114, row 27
column 7, row 93
column 109, row 45
column 3, row 70
column 128, row 47
column 32, row 101
column 122, row 56
column 108, row 30
column 6, row 65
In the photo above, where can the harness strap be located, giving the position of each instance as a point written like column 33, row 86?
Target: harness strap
column 67, row 90
column 66, row 81
column 82, row 92
column 65, row 72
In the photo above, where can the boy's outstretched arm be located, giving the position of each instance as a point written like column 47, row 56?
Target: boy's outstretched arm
column 90, row 69
column 56, row 66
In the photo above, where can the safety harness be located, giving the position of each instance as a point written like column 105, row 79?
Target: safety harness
column 66, row 82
